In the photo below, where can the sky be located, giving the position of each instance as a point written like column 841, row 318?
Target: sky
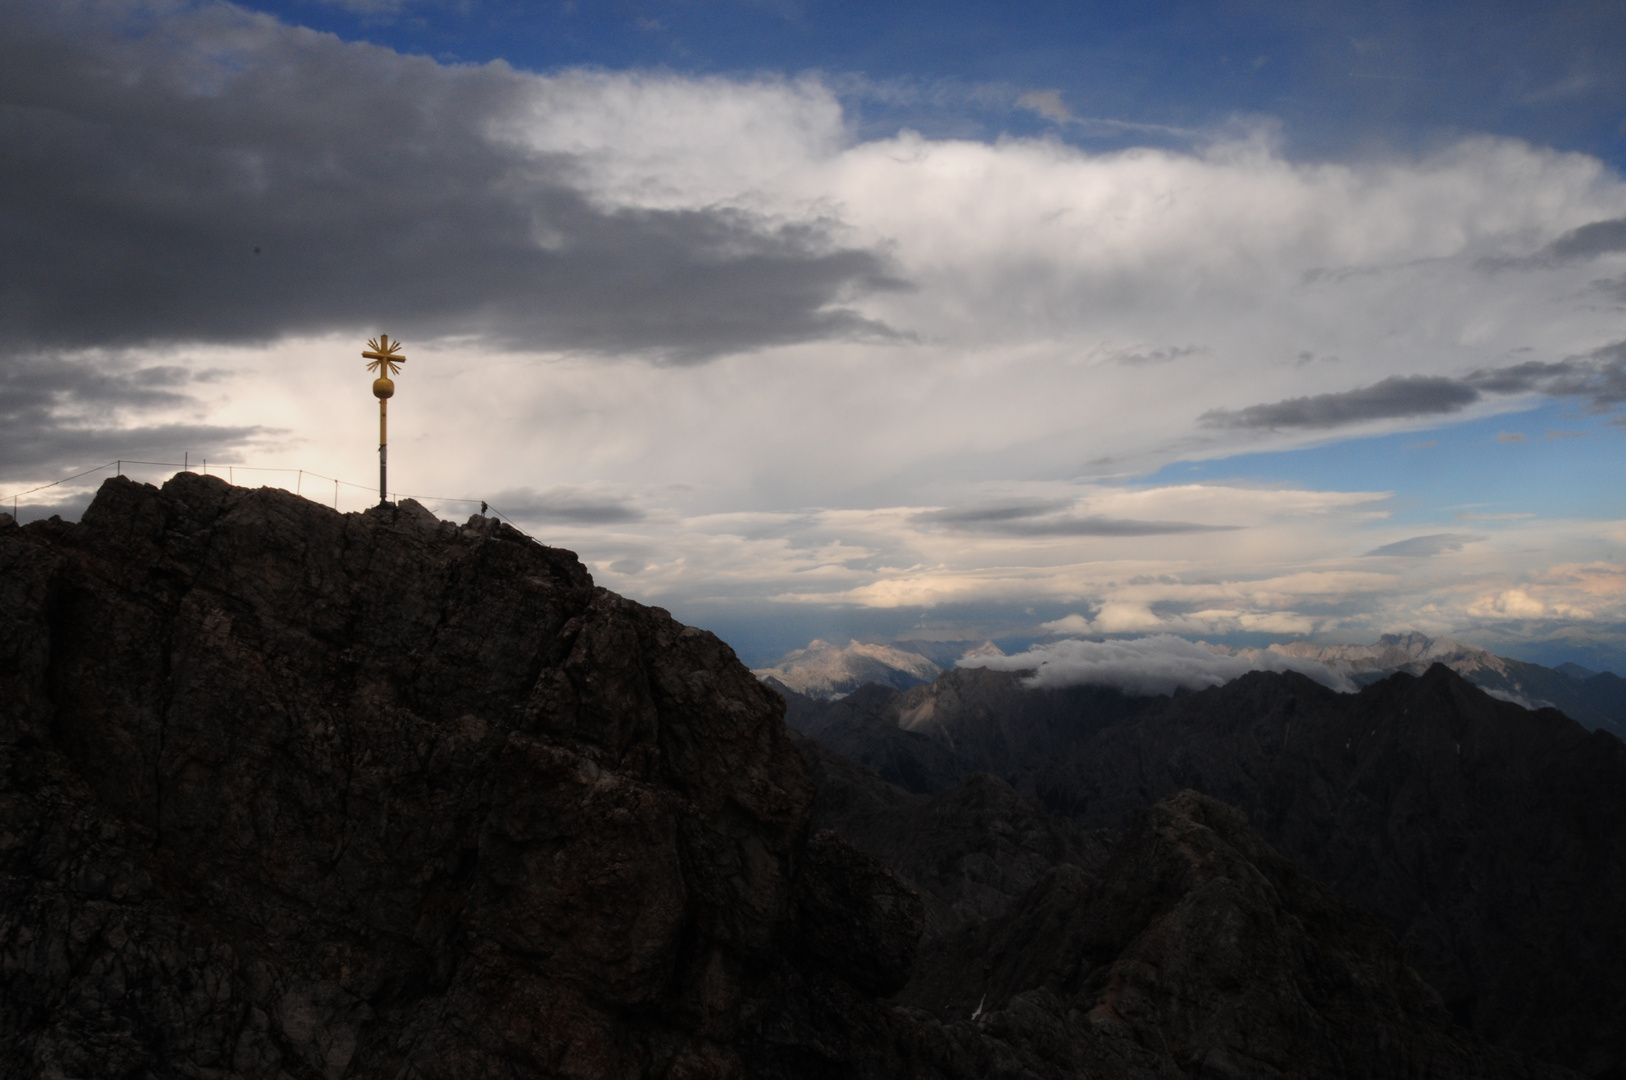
column 1238, row 321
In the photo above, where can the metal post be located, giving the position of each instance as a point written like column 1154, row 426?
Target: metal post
column 383, row 450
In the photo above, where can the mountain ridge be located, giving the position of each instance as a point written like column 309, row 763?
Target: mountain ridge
column 286, row 793
column 1594, row 699
column 1489, row 838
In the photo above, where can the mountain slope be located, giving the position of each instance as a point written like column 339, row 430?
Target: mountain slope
column 1490, row 839
column 289, row 793
column 1592, row 699
column 1183, row 946
column 823, row 671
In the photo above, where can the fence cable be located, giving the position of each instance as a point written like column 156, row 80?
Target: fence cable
column 300, row 474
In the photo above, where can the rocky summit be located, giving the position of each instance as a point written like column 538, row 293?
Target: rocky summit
column 290, row 794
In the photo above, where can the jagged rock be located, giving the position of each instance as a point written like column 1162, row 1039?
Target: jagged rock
column 289, row 793
column 968, row 720
column 863, row 726
column 1489, row 838
column 971, row 851
column 1196, row 951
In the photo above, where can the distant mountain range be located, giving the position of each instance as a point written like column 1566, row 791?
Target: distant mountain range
column 828, row 672
column 1488, row 839
column 1593, row 699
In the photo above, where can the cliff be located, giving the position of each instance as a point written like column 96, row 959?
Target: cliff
column 294, row 793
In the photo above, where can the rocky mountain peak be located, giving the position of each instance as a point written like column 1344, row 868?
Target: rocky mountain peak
column 827, row 671
column 1409, row 651
column 288, row 792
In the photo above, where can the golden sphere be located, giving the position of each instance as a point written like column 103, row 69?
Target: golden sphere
column 383, row 388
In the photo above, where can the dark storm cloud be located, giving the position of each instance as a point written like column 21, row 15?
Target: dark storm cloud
column 55, row 411
column 990, row 513
column 1599, row 377
column 1587, row 242
column 1598, row 238
column 209, row 175
column 570, row 506
column 1432, row 544
column 1393, row 398
column 1041, row 518
column 1521, row 378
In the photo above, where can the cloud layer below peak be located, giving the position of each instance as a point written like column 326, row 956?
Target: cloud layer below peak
column 1157, row 664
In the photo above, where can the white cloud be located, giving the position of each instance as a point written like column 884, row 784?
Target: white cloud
column 1159, row 664
column 1047, row 103
column 1067, row 317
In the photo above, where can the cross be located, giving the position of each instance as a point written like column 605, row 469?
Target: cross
column 385, row 355
column 386, row 361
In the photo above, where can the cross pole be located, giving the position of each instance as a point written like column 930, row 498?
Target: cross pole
column 386, row 361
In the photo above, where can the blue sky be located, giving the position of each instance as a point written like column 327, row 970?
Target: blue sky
column 1551, row 461
column 1241, row 321
column 1342, row 79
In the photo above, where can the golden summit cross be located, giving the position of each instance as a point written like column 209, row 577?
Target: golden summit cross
column 386, row 360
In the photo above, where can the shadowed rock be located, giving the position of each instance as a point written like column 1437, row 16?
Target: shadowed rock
column 293, row 793
column 286, row 793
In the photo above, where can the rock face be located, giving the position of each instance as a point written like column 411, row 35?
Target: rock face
column 1490, row 839
column 1182, row 947
column 1592, row 699
column 972, row 850
column 288, row 793
column 1198, row 951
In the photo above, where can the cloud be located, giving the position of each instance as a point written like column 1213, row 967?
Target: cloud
column 1042, row 519
column 573, row 506
column 1599, row 375
column 1047, row 103
column 1126, row 617
column 1137, row 358
column 1067, row 624
column 1522, row 378
column 1432, row 544
column 1578, row 245
column 1509, row 604
column 59, row 414
column 991, row 514
column 516, row 228
column 1588, row 241
column 1159, row 664
column 1510, row 436
column 1397, row 397
column 209, row 175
